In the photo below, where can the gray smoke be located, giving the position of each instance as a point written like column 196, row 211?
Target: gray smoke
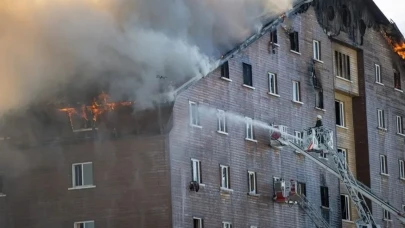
column 46, row 44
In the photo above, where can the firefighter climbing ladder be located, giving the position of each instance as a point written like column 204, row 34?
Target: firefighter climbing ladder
column 321, row 139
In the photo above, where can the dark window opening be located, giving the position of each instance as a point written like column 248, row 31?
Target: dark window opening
column 397, row 80
column 225, row 70
column 273, row 37
column 301, row 189
column 342, row 65
column 319, row 99
column 294, row 41
column 247, row 74
column 345, row 207
column 346, row 17
column 324, row 197
column 331, row 13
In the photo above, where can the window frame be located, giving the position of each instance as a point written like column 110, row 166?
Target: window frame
column 344, row 151
column 400, row 125
column 273, row 81
column 225, row 70
column 221, row 121
column 383, row 164
column 319, row 100
column 401, row 164
column 294, row 42
column 74, row 186
column 386, row 215
column 325, row 200
column 347, row 203
column 200, row 222
column 397, row 78
column 299, row 188
column 341, row 113
column 316, row 49
column 381, row 119
column 196, row 173
column 191, row 110
column 75, row 224
column 250, row 191
column 300, row 135
column 249, row 122
column 297, row 92
column 226, row 225
column 247, row 72
column 274, row 36
column 377, row 72
column 342, row 65
column 228, row 177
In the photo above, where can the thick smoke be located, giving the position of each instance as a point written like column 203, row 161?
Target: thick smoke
column 46, row 44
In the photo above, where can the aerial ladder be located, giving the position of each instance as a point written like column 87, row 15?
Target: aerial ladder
column 317, row 140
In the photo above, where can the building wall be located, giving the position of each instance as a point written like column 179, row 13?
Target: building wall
column 213, row 149
column 131, row 176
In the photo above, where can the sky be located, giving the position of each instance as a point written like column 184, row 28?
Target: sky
column 393, row 9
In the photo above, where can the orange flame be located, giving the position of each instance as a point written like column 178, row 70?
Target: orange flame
column 400, row 49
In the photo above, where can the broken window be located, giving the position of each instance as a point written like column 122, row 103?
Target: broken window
column 273, row 84
column 345, row 207
column 378, row 78
column 197, row 223
column 319, row 99
column 294, row 42
column 397, row 80
column 247, row 74
column 381, row 118
column 316, row 50
column 82, row 174
column 296, row 91
column 342, row 65
column 196, row 170
column 225, row 183
column 221, row 121
column 324, row 197
column 194, row 114
column 225, row 70
column 252, row 182
column 340, row 113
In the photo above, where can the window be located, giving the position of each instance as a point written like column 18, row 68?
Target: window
column 225, row 70
column 247, row 74
column 345, row 206
column 344, row 155
column 273, row 83
column 378, row 74
column 381, row 119
column 319, row 99
column 252, row 182
column 301, row 188
column 298, row 135
column 273, row 37
column 296, row 91
column 194, row 114
column 82, row 174
column 403, row 207
column 196, row 170
column 340, row 113
column 323, row 155
column 294, row 42
column 383, row 164
column 342, row 65
column 400, row 126
column 226, row 225
column 88, row 224
column 249, row 128
column 401, row 170
column 225, row 183
column 197, row 223
column 397, row 80
column 221, row 121
column 317, row 49
column 324, row 197
column 387, row 215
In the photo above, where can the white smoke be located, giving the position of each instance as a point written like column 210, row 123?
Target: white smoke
column 47, row 43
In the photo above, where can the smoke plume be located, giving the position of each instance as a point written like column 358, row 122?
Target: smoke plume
column 47, row 44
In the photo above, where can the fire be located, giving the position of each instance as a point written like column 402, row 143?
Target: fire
column 400, row 49
column 99, row 105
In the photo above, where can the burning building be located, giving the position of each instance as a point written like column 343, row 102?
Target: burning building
column 169, row 151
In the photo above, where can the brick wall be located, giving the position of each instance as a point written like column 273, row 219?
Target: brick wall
column 213, row 149
column 131, row 177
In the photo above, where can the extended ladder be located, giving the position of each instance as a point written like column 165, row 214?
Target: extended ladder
column 313, row 214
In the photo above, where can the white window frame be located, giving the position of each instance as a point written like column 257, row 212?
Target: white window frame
column 297, row 91
column 344, row 152
column 225, row 182
column 196, row 170
column 383, row 164
column 298, row 134
column 221, row 118
column 348, row 211
column 401, row 169
column 74, row 186
column 249, row 129
column 200, row 222
column 226, row 225
column 75, row 225
column 387, row 215
column 273, row 81
column 252, row 189
column 400, row 126
column 342, row 73
column 323, row 155
column 381, row 118
column 196, row 122
column 316, row 50
column 341, row 113
column 377, row 69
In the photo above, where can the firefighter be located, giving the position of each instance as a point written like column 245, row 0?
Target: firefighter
column 318, row 121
